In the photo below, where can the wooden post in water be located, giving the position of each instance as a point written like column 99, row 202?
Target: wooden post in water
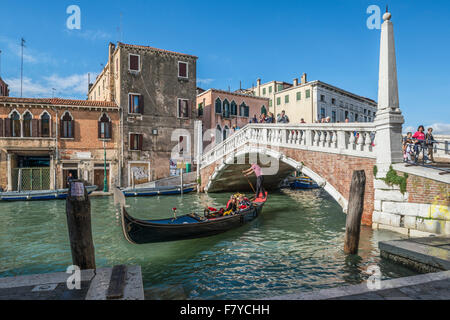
column 355, row 210
column 78, row 211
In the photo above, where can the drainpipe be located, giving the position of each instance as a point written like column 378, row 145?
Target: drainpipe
column 56, row 160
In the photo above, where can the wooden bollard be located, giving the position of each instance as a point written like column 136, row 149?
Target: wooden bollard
column 355, row 210
column 78, row 211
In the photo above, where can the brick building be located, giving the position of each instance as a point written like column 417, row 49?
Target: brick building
column 4, row 90
column 42, row 140
column 155, row 90
column 223, row 110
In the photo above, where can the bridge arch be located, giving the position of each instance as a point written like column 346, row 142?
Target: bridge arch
column 227, row 176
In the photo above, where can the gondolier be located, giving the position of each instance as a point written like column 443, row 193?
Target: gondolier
column 259, row 179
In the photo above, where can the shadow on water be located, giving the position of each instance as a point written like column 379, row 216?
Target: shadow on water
column 295, row 244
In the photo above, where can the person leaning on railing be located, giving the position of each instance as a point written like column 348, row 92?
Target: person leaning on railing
column 429, row 139
column 419, row 143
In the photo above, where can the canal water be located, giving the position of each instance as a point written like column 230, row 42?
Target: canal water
column 296, row 244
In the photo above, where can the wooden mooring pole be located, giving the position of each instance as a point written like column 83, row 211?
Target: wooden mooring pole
column 78, row 211
column 355, row 211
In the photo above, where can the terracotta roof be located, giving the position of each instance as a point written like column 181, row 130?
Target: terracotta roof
column 59, row 102
column 155, row 49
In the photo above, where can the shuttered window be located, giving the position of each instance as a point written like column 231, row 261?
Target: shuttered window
column 183, row 108
column 45, row 125
column 27, row 124
column 134, row 62
column 67, row 126
column 104, row 127
column 135, row 104
column 182, row 69
column 233, row 108
column 136, row 141
column 218, row 106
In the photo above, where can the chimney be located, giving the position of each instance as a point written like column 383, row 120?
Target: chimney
column 295, row 81
column 258, row 86
column 304, row 78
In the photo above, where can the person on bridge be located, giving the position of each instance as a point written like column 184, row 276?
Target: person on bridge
column 259, row 179
column 283, row 118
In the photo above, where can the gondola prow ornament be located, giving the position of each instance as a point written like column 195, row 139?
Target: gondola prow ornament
column 174, row 214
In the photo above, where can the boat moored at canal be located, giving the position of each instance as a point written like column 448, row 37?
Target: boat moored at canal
column 158, row 191
column 39, row 195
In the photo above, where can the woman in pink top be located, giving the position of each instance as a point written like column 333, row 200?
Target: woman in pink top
column 259, row 179
column 420, row 136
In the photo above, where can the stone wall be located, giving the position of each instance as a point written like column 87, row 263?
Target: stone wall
column 422, row 209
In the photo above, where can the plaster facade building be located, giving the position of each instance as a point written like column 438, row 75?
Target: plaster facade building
column 43, row 140
column 315, row 100
column 155, row 90
column 222, row 110
column 4, row 90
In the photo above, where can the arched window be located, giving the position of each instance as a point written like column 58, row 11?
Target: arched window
column 15, row 130
column 218, row 106
column 45, row 125
column 233, row 108
column 226, row 109
column 27, row 123
column 218, row 134
column 264, row 110
column 244, row 110
column 104, row 127
column 67, row 126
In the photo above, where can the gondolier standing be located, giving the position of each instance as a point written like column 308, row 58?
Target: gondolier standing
column 259, row 179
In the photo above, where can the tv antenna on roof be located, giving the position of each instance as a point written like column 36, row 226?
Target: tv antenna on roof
column 22, row 44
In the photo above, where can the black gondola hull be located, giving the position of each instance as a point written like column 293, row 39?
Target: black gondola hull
column 142, row 231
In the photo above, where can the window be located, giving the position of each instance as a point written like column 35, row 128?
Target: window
column 346, row 115
column 218, row 106
column 67, row 126
column 322, row 113
column 270, row 102
column 200, row 109
column 278, row 101
column 270, row 89
column 135, row 103
column 183, row 108
column 264, row 91
column 15, row 125
column 136, row 141
column 333, row 116
column 286, row 99
column 308, row 93
column 322, row 98
column 299, row 96
column 280, row 87
column 368, row 112
column 104, row 127
column 226, row 109
column 356, row 117
column 183, row 146
column 134, row 62
column 333, row 101
column 263, row 110
column 233, row 108
column 27, row 120
column 45, row 125
column 244, row 110
column 182, row 69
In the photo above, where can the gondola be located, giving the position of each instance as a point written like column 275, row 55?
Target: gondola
column 39, row 195
column 185, row 227
column 158, row 191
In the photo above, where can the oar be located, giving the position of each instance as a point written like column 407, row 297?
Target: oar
column 251, row 185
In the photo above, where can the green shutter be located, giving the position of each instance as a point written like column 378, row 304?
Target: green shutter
column 299, row 96
column 308, row 93
column 278, row 101
column 286, row 99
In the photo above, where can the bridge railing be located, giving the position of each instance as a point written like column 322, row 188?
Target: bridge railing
column 356, row 139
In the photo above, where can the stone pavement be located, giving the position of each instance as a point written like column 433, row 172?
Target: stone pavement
column 430, row 254
column 432, row 286
column 53, row 286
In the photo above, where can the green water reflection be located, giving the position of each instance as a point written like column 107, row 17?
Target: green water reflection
column 296, row 244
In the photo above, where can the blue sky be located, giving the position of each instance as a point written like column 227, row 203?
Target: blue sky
column 237, row 41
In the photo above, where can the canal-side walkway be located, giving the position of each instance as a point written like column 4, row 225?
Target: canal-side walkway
column 118, row 283
column 431, row 286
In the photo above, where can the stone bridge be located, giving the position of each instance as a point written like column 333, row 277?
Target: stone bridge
column 329, row 153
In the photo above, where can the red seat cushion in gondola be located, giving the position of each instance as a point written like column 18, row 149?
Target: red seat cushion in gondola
column 212, row 209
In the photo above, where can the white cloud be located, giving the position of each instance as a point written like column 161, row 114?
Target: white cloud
column 29, row 55
column 204, row 82
column 438, row 128
column 72, row 86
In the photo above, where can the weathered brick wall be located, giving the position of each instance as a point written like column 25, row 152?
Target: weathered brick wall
column 338, row 170
column 423, row 190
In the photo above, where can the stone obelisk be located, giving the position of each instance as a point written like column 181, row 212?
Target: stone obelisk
column 389, row 119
